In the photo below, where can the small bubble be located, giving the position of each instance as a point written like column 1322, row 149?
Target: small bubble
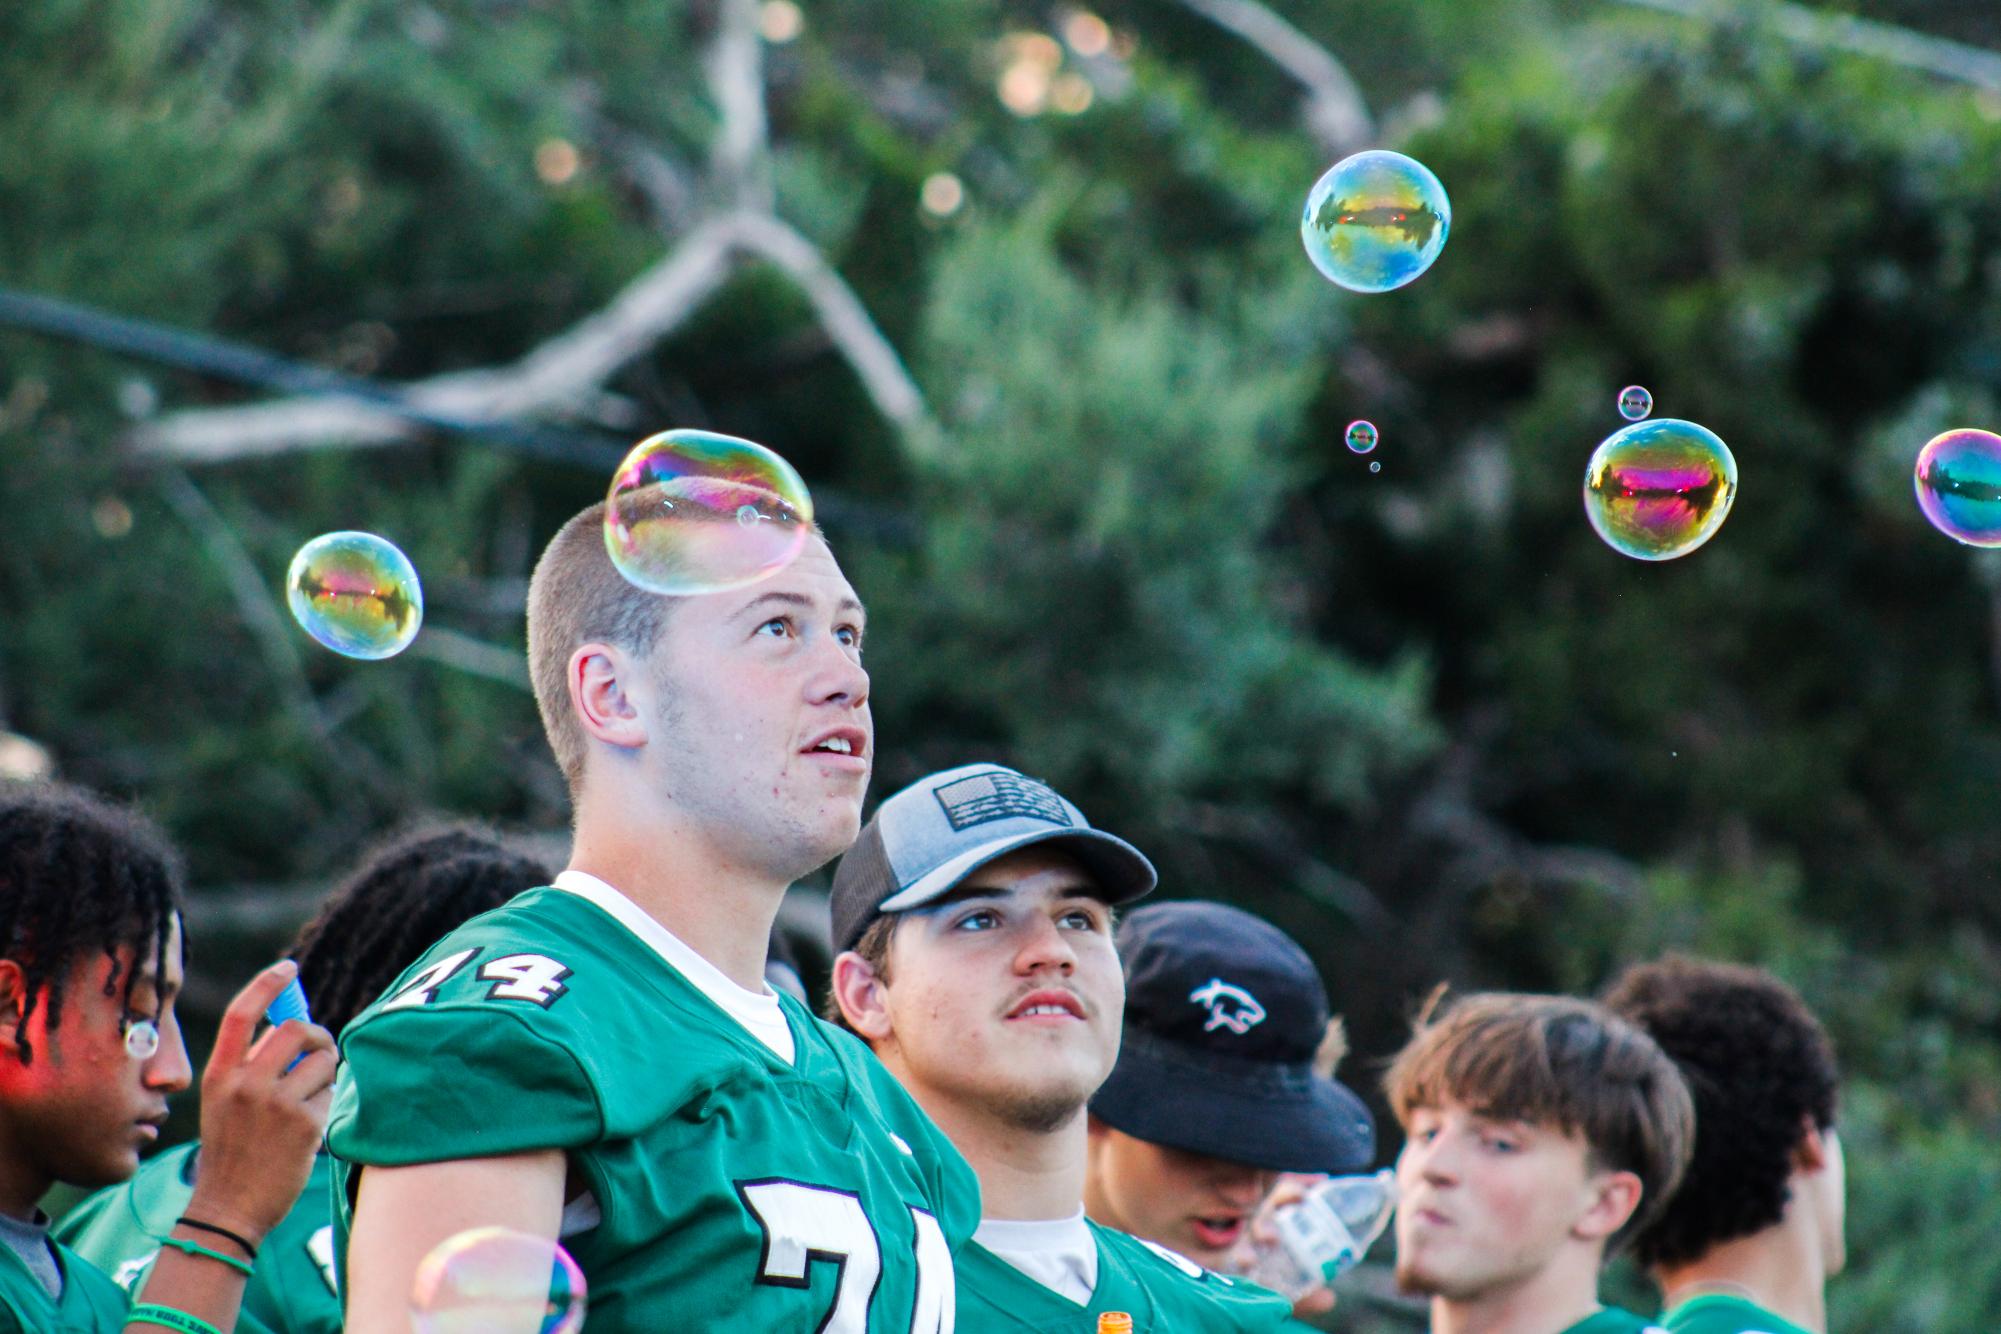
column 1361, row 436
column 356, row 594
column 1635, row 403
column 1375, row 465
column 1375, row 221
column 1958, row 480
column 492, row 1278
column 1659, row 489
column 696, row 512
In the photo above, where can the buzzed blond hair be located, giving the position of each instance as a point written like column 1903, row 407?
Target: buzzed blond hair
column 575, row 597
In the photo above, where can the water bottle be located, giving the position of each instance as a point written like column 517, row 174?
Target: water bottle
column 1325, row 1234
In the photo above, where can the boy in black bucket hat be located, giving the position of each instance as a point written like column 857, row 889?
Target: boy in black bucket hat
column 974, row 916
column 1215, row 1092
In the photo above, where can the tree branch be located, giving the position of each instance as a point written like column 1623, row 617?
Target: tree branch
column 1857, row 36
column 850, row 326
column 1335, row 113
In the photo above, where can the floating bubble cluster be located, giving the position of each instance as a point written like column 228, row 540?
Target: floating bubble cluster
column 696, row 512
column 1362, row 436
column 1958, row 481
column 356, row 594
column 495, row 1281
column 1656, row 490
column 1375, row 221
column 1635, row 403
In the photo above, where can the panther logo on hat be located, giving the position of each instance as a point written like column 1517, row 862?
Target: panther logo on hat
column 1229, row 1006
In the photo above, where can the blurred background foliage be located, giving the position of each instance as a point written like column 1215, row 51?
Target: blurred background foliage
column 1422, row 719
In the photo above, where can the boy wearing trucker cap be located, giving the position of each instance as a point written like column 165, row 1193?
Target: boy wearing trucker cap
column 1215, row 1092
column 974, row 920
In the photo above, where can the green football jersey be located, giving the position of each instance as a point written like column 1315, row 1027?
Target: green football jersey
column 292, row 1291
column 1718, row 1314
column 733, row 1191
column 1163, row 1292
column 90, row 1303
column 1612, row 1320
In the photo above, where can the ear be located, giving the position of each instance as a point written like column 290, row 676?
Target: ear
column 13, row 1001
column 1810, row 1155
column 863, row 997
column 1614, row 1197
column 608, row 691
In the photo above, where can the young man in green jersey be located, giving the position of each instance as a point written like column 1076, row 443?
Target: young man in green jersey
column 975, row 919
column 91, row 963
column 1541, row 1133
column 406, row 893
column 1749, row 1241
column 601, row 1060
column 1216, row 1092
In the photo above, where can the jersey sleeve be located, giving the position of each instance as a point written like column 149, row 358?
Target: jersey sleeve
column 424, row 1085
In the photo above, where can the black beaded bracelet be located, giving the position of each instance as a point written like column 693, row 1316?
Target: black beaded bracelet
column 196, row 1223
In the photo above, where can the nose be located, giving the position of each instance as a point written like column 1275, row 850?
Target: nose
column 168, row 1069
column 1435, row 1162
column 838, row 676
column 1045, row 947
column 1243, row 1186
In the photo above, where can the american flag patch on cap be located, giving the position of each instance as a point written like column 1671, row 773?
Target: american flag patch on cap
column 1000, row 796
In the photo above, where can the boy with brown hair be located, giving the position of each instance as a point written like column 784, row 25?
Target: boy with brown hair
column 1542, row 1132
column 1750, row 1239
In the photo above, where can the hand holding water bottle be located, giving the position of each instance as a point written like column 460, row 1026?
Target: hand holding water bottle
column 1302, row 1242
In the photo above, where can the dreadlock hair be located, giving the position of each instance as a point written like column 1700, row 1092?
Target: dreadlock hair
column 409, row 891
column 80, row 876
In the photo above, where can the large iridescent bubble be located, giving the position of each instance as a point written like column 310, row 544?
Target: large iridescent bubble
column 1375, row 221
column 696, row 512
column 356, row 594
column 492, row 1280
column 1958, row 480
column 1659, row 489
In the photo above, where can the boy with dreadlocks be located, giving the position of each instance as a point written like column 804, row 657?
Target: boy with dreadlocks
column 91, row 961
column 407, row 893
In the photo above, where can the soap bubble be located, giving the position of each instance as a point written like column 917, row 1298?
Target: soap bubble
column 696, row 512
column 1361, row 436
column 1635, row 402
column 356, row 594
column 1375, row 221
column 1375, row 467
column 492, row 1280
column 1958, row 480
column 1659, row 489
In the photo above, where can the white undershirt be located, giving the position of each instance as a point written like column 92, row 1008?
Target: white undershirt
column 757, row 1011
column 1059, row 1253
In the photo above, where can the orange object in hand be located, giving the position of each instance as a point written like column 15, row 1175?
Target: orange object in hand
column 1115, row 1322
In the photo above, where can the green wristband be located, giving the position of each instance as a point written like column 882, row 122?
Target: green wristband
column 172, row 1319
column 196, row 1248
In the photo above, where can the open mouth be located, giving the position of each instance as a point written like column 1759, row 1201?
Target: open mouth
column 1219, row 1233
column 846, row 742
column 1048, row 1007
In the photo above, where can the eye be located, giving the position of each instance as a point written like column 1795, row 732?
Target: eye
column 980, row 919
column 1082, row 919
column 850, row 637
column 778, row 626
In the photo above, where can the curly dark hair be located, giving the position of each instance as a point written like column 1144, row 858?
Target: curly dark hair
column 80, row 876
column 408, row 892
column 1760, row 1065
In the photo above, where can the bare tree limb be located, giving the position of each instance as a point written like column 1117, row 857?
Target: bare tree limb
column 555, row 375
column 476, row 656
column 1336, row 114
column 1858, row 36
column 740, row 154
column 566, row 374
column 849, row 325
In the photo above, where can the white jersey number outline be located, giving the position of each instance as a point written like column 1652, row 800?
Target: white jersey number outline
column 803, row 1223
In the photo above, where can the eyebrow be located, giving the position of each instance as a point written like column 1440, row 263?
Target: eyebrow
column 848, row 603
column 1084, row 892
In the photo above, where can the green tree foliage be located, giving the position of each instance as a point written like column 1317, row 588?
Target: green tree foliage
column 1422, row 719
